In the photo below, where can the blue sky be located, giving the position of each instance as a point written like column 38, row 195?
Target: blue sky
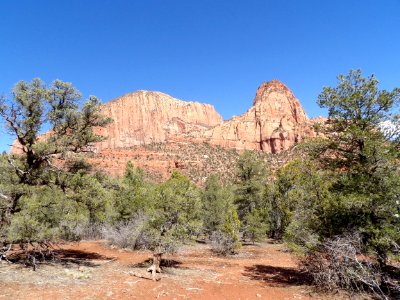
column 211, row 51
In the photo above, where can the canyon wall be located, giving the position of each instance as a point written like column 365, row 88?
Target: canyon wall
column 275, row 122
column 160, row 133
column 146, row 117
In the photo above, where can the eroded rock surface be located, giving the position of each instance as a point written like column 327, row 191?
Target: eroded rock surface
column 275, row 122
column 146, row 117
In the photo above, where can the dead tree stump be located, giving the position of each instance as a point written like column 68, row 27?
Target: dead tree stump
column 3, row 253
column 155, row 267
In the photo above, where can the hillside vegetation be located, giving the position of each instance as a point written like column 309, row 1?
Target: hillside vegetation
column 334, row 200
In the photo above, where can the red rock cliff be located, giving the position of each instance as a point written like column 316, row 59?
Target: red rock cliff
column 275, row 122
column 146, row 117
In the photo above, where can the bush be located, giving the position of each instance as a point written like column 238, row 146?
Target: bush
column 138, row 233
column 226, row 241
column 81, row 231
column 338, row 264
column 256, row 228
column 126, row 234
column 151, row 239
column 223, row 243
column 300, row 238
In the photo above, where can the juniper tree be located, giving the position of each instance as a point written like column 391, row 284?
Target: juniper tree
column 357, row 161
column 251, row 178
column 300, row 200
column 177, row 211
column 220, row 219
column 175, row 218
column 134, row 195
column 216, row 201
column 368, row 181
column 48, row 123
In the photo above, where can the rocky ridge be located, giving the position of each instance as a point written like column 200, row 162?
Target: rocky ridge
column 146, row 117
column 275, row 122
column 160, row 133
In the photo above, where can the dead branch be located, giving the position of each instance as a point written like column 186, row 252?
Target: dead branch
column 4, row 196
column 18, row 170
column 3, row 253
column 143, row 276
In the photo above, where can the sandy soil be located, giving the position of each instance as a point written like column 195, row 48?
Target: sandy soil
column 92, row 270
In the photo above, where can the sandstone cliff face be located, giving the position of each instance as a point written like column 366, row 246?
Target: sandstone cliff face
column 275, row 122
column 146, row 117
column 144, row 120
column 16, row 148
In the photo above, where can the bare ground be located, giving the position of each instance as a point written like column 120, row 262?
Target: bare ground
column 92, row 270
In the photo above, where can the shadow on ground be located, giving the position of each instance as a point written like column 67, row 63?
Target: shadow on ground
column 244, row 243
column 170, row 263
column 165, row 263
column 277, row 276
column 60, row 256
column 79, row 257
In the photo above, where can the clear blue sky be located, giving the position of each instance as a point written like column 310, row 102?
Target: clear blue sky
column 211, row 51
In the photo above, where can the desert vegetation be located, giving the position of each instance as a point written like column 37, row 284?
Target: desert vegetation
column 335, row 201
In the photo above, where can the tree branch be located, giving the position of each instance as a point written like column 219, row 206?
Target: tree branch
column 4, row 196
column 19, row 171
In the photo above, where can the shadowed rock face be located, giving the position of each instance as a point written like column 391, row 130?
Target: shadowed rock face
column 275, row 122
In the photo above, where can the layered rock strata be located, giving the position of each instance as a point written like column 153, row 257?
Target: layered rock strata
column 146, row 117
column 275, row 122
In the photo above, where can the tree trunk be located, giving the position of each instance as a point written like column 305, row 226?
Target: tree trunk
column 155, row 267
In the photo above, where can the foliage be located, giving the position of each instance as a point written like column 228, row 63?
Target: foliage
column 216, row 201
column 225, row 241
column 251, row 179
column 353, row 183
column 301, row 197
column 127, row 234
column 45, row 193
column 177, row 213
column 35, row 107
column 357, row 109
column 134, row 195
column 369, row 184
column 257, row 227
column 157, row 217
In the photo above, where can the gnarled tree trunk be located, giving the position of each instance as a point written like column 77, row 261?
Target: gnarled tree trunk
column 155, row 267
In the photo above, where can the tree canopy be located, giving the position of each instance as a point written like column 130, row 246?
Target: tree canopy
column 48, row 123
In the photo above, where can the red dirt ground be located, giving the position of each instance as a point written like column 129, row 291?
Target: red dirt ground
column 92, row 270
